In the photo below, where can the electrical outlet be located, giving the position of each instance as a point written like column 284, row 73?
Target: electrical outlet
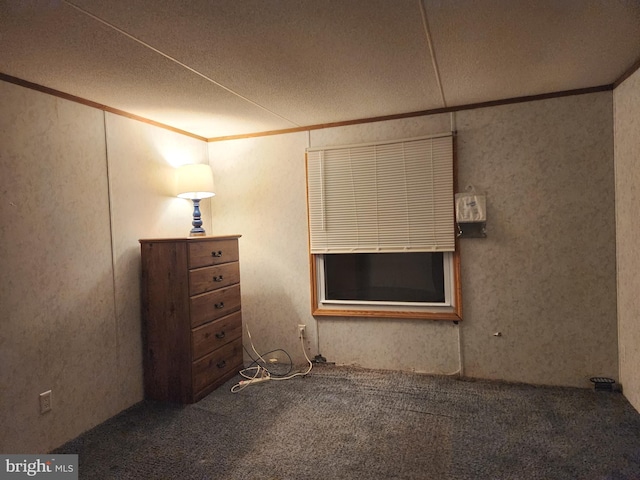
column 45, row 401
column 301, row 330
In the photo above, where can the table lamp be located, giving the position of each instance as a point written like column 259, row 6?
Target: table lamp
column 195, row 182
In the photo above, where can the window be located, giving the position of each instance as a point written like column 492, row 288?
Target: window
column 384, row 277
column 381, row 229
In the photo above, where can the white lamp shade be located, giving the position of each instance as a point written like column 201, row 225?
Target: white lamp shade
column 194, row 181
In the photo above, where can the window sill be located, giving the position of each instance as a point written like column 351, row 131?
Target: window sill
column 448, row 315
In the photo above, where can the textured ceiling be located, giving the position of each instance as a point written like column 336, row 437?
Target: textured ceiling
column 230, row 67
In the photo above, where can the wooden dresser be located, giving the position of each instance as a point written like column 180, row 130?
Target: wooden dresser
column 192, row 322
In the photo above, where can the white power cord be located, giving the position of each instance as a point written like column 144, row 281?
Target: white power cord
column 262, row 374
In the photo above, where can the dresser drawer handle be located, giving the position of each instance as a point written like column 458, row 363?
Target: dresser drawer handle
column 220, row 335
column 218, row 278
column 222, row 364
column 216, row 254
column 219, row 305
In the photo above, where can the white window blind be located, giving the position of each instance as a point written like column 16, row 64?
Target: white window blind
column 388, row 197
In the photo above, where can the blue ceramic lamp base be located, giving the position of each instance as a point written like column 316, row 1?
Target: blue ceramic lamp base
column 197, row 230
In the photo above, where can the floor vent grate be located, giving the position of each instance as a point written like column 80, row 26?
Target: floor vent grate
column 603, row 383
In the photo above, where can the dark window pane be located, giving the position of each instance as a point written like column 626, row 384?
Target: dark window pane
column 392, row 277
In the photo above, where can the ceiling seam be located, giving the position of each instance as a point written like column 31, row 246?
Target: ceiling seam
column 176, row 61
column 434, row 62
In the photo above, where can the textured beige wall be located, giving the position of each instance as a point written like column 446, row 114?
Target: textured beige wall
column 545, row 277
column 56, row 293
column 627, row 160
column 73, row 208
column 262, row 196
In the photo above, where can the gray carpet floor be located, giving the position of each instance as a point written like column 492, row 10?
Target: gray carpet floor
column 347, row 423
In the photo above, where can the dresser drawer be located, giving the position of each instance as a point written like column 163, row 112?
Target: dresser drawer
column 211, row 305
column 209, row 278
column 210, row 336
column 214, row 252
column 216, row 365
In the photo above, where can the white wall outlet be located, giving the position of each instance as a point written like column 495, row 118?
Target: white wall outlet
column 45, row 401
column 302, row 330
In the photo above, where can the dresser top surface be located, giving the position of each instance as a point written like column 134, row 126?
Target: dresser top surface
column 189, row 239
